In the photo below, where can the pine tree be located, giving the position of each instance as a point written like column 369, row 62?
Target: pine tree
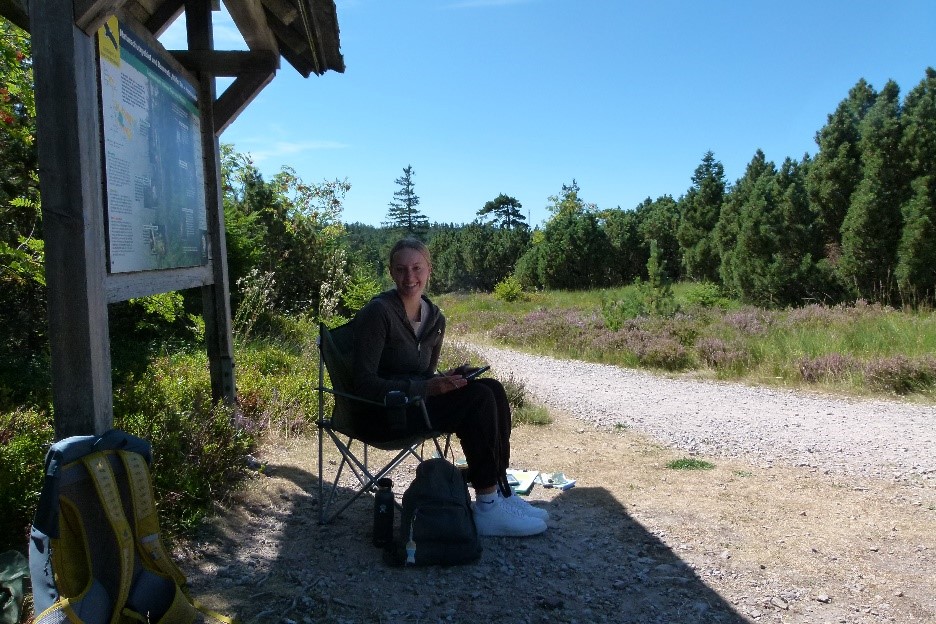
column 916, row 252
column 732, row 218
column 699, row 210
column 836, row 170
column 505, row 212
column 628, row 260
column 658, row 222
column 403, row 214
column 872, row 226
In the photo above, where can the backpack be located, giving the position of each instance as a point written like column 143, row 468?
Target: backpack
column 437, row 525
column 95, row 554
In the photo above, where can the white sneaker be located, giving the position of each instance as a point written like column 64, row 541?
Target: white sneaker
column 497, row 519
column 518, row 502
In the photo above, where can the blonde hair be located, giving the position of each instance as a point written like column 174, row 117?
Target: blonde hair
column 414, row 244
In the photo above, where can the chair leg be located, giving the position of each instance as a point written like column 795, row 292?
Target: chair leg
column 366, row 478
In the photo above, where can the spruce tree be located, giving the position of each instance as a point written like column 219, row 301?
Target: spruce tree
column 403, row 214
column 699, row 210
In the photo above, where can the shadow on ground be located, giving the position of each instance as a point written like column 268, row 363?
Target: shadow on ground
column 268, row 560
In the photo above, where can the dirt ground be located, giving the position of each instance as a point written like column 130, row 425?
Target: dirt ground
column 633, row 542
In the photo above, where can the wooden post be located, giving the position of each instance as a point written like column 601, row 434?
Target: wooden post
column 70, row 178
column 216, row 299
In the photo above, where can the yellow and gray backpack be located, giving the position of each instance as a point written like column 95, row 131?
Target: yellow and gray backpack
column 95, row 554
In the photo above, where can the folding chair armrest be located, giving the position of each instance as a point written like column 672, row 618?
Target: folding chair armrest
column 409, row 401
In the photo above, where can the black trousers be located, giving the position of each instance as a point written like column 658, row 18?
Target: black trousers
column 478, row 414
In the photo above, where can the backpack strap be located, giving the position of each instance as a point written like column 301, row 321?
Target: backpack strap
column 146, row 520
column 102, row 475
column 152, row 550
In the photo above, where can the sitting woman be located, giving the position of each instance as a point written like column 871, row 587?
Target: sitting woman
column 397, row 340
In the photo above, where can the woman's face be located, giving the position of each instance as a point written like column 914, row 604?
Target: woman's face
column 410, row 272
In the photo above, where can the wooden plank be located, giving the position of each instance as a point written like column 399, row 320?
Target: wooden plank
column 283, row 9
column 91, row 14
column 237, row 97
column 123, row 286
column 165, row 14
column 216, row 298
column 16, row 11
column 227, row 63
column 294, row 47
column 70, row 178
column 251, row 21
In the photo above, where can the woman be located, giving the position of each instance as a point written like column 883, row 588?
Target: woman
column 397, row 340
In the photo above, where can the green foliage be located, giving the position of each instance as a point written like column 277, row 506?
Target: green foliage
column 792, row 346
column 628, row 258
column 257, row 291
column 705, row 295
column 872, row 226
column 362, row 287
column 509, row 289
column 657, row 225
column 658, row 291
column 504, row 212
column 24, row 437
column 571, row 254
column 199, row 448
column 700, row 210
column 475, row 257
column 617, row 311
column 403, row 215
column 837, row 167
column 690, row 463
column 276, row 386
column 287, row 228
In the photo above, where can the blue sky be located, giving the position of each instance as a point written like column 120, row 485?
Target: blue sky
column 519, row 97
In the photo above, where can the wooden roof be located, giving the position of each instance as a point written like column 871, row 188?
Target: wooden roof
column 304, row 32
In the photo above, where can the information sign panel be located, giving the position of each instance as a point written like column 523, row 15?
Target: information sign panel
column 154, row 174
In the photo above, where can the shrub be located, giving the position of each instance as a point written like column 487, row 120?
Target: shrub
column 509, row 289
column 705, row 295
column 723, row 355
column 24, row 437
column 199, row 449
column 827, row 368
column 617, row 312
column 900, row 374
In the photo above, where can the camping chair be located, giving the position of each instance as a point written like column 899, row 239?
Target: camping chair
column 335, row 355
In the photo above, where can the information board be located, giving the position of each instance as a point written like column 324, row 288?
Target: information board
column 154, row 174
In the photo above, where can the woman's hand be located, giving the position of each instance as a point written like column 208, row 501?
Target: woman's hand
column 458, row 370
column 444, row 383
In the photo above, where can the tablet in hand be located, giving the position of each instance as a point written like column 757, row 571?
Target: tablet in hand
column 477, row 372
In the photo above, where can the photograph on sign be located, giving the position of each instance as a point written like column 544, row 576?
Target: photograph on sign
column 154, row 174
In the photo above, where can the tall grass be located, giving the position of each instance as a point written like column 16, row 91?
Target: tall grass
column 858, row 349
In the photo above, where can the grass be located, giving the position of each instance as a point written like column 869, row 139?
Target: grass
column 688, row 463
column 860, row 350
column 163, row 394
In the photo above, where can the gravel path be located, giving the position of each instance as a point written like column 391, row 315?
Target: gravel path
column 867, row 438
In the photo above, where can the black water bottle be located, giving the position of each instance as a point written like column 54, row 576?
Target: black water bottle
column 383, row 512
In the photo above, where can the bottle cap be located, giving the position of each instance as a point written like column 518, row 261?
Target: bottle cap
column 385, row 482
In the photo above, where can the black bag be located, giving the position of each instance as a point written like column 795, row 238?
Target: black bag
column 437, row 525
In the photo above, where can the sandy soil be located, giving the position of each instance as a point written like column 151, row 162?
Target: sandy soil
column 633, row 542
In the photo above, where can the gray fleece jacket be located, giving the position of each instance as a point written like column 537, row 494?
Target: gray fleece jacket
column 388, row 355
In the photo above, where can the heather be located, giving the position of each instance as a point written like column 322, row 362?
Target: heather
column 856, row 349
